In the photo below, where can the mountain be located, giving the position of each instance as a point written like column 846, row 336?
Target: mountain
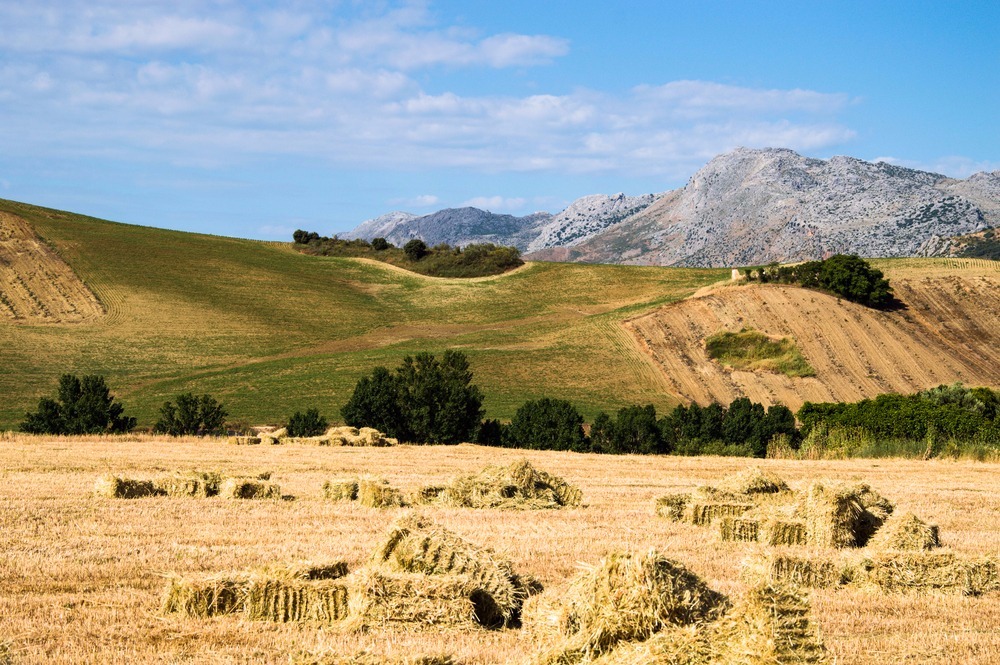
column 455, row 226
column 751, row 207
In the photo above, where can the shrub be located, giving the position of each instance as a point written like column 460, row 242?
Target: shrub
column 546, row 424
column 848, row 276
column 380, row 244
column 192, row 415
column 84, row 406
column 309, row 423
column 415, row 249
column 634, row 430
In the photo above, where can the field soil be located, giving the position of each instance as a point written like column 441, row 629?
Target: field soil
column 36, row 286
column 947, row 330
column 81, row 577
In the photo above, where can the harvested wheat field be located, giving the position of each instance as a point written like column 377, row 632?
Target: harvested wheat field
column 83, row 578
column 947, row 331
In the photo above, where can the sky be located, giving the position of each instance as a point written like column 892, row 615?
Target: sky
column 253, row 119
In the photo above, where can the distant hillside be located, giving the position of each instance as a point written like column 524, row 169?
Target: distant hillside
column 455, row 226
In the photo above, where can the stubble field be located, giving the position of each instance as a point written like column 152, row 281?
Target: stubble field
column 81, row 577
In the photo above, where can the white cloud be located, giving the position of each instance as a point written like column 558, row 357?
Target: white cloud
column 495, row 203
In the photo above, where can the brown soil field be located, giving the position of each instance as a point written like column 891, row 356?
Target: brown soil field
column 36, row 286
column 81, row 577
column 948, row 330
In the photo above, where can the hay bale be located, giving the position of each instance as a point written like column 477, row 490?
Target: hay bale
column 739, row 529
column 674, row 645
column 340, row 490
column 377, row 493
column 517, row 486
column 117, row 487
column 274, row 437
column 753, row 480
column 249, row 488
column 623, row 598
column 672, row 505
column 832, row 515
column 702, row 513
column 929, row 571
column 777, row 531
column 415, row 544
column 379, row 598
column 205, row 596
column 770, row 625
column 905, row 531
column 196, row 484
column 784, row 568
column 295, row 599
column 244, row 440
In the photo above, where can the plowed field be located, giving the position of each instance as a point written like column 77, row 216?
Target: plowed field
column 947, row 331
column 36, row 286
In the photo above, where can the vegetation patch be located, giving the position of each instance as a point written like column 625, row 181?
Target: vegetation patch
column 754, row 351
column 846, row 275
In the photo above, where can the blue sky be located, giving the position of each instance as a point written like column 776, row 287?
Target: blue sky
column 253, row 119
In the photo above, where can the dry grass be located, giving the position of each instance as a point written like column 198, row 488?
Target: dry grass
column 81, row 578
column 514, row 486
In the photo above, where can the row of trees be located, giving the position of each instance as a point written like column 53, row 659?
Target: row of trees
column 848, row 276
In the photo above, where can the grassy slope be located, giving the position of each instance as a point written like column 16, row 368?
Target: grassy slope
column 268, row 331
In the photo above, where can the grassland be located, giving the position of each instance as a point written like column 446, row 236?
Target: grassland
column 754, row 351
column 81, row 576
column 268, row 330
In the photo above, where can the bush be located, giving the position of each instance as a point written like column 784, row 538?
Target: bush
column 192, row 415
column 84, row 406
column 309, row 423
column 546, row 424
column 380, row 244
column 634, row 430
column 848, row 276
column 415, row 249
column 425, row 401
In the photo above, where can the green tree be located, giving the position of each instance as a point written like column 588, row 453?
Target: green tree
column 84, row 406
column 380, row 244
column 191, row 416
column 415, row 249
column 376, row 402
column 546, row 424
column 309, row 423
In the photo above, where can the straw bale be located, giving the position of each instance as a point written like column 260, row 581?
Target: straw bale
column 672, row 505
column 306, row 570
column 244, row 440
column 377, row 493
column 517, row 486
column 625, row 597
column 674, row 645
column 379, row 598
column 929, row 571
column 739, row 529
column 703, row 513
column 205, row 596
column 415, row 544
column 905, row 531
column 753, row 480
column 832, row 515
column 340, row 490
column 877, row 510
column 195, row 483
column 249, row 488
column 784, row 568
column 117, row 487
column 770, row 625
column 777, row 531
column 295, row 599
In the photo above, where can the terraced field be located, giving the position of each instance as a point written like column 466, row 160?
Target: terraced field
column 947, row 331
column 269, row 331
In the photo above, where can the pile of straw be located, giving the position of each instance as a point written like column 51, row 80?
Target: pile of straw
column 249, row 488
column 273, row 438
column 672, row 505
column 377, row 493
column 340, row 490
column 804, row 571
column 877, row 510
column 244, row 440
column 195, row 483
column 625, row 597
column 929, row 571
column 353, row 436
column 753, row 480
column 379, row 598
column 117, row 487
column 905, row 531
column 415, row 544
column 832, row 515
column 517, row 486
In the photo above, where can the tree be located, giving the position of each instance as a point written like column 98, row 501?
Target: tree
column 380, row 244
column 192, row 415
column 634, row 430
column 546, row 424
column 309, row 423
column 415, row 249
column 425, row 400
column 84, row 406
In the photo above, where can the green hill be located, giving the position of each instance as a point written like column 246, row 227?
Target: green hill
column 269, row 331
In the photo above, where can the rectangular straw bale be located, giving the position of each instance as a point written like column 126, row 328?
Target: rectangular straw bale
column 930, row 571
column 306, row 570
column 378, row 598
column 196, row 483
column 377, row 493
column 784, row 568
column 117, row 487
column 293, row 599
column 831, row 516
column 249, row 488
column 776, row 531
column 672, row 505
column 703, row 513
column 205, row 596
column 739, row 529
column 244, row 440
column 340, row 490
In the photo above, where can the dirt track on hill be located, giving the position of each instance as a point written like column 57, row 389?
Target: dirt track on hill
column 948, row 331
column 36, row 286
